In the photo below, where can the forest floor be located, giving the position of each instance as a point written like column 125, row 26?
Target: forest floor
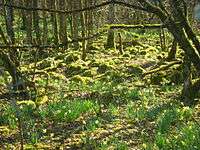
column 105, row 102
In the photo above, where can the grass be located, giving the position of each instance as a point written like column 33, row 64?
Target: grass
column 103, row 106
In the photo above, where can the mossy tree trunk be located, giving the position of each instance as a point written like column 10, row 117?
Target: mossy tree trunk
column 54, row 21
column 63, row 24
column 89, row 21
column 187, row 93
column 83, row 26
column 75, row 20
column 28, row 21
column 111, row 35
column 173, row 50
column 45, row 24
column 36, row 19
column 183, row 34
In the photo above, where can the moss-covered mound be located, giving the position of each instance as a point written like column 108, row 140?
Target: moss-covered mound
column 71, row 57
column 74, row 69
column 44, row 64
column 135, row 70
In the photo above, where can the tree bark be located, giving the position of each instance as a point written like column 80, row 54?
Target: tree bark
column 84, row 42
column 63, row 24
column 36, row 18
column 75, row 5
column 173, row 50
column 111, row 35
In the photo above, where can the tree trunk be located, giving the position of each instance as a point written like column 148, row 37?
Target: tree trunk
column 111, row 35
column 75, row 5
column 172, row 52
column 89, row 22
column 84, row 42
column 52, row 5
column 187, row 93
column 28, row 27
column 36, row 23
column 63, row 24
column 45, row 24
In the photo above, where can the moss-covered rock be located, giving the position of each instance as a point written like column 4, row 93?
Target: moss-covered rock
column 44, row 64
column 115, row 76
column 126, row 55
column 134, row 69
column 74, row 69
column 71, row 57
column 81, row 79
column 143, row 52
column 157, row 79
column 102, row 68
column 60, row 56
column 89, row 73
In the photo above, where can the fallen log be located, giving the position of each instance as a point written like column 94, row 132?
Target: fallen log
column 164, row 67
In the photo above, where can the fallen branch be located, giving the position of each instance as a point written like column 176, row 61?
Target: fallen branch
column 164, row 67
column 139, row 26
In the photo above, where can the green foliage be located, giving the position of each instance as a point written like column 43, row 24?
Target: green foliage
column 166, row 119
column 67, row 111
column 8, row 117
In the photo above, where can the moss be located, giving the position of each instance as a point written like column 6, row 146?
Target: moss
column 126, row 55
column 74, row 69
column 110, row 40
column 143, row 52
column 115, row 76
column 94, row 64
column 60, row 56
column 71, row 57
column 157, row 79
column 89, row 73
column 46, row 63
column 132, row 50
column 93, row 46
column 135, row 69
column 176, row 77
column 102, row 68
column 81, row 79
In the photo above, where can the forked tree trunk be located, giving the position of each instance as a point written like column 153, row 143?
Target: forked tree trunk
column 184, row 36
